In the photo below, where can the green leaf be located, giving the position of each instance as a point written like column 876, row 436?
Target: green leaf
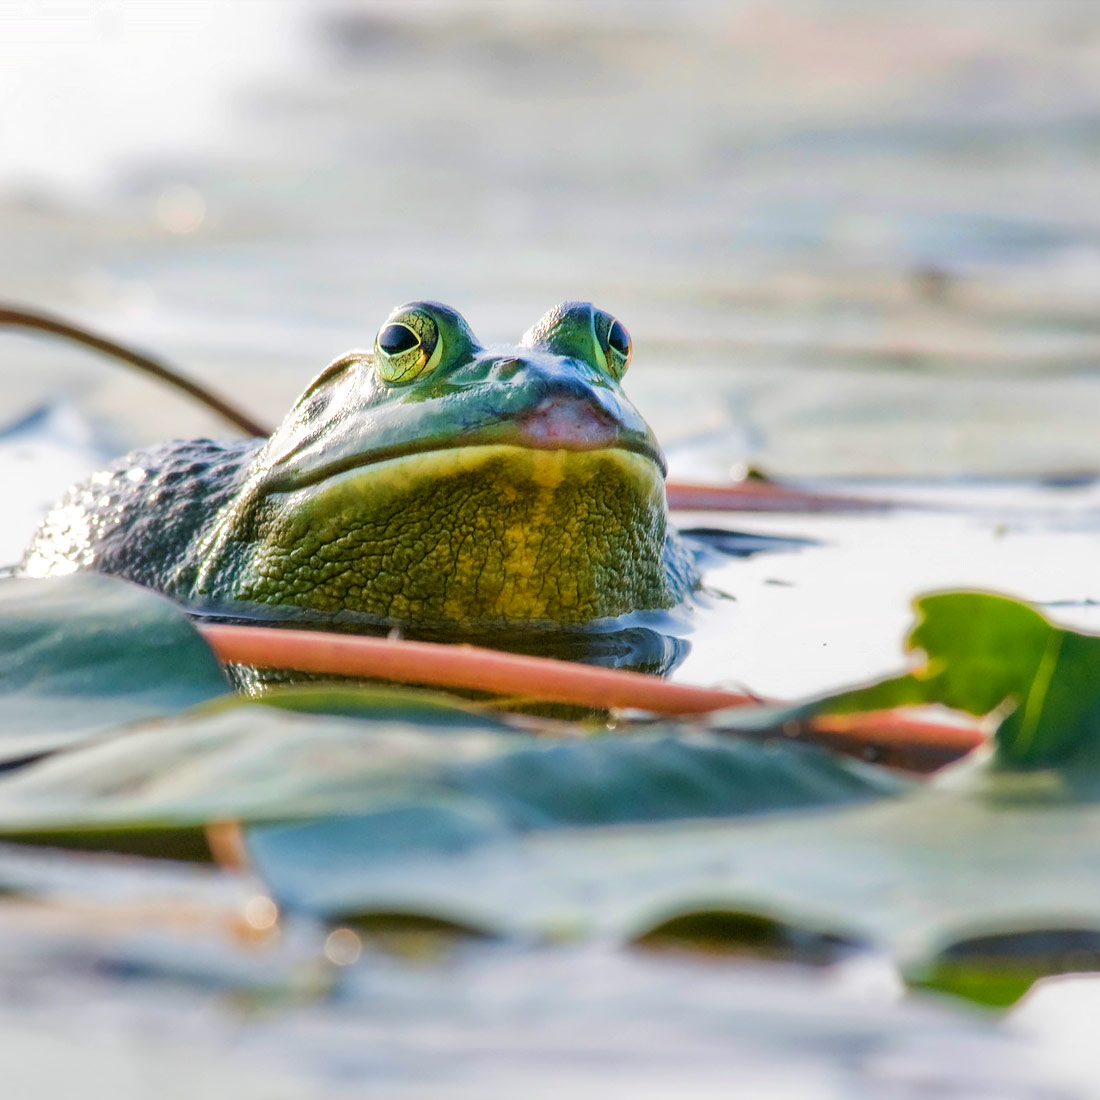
column 988, row 655
column 419, row 706
column 247, row 762
column 609, row 781
column 979, row 651
column 405, row 803
column 258, row 763
column 998, row 851
column 85, row 653
column 980, row 854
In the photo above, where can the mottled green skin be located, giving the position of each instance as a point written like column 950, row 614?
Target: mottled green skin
column 494, row 486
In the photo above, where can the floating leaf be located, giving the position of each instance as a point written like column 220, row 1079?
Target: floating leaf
column 258, row 763
column 912, row 876
column 435, row 811
column 377, row 702
column 985, row 655
column 999, row 849
column 84, row 653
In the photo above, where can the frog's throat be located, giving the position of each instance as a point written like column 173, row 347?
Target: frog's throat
column 481, row 534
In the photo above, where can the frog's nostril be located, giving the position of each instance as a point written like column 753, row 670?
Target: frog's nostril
column 507, row 368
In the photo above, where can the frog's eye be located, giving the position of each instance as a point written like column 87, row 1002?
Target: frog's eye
column 407, row 346
column 614, row 342
column 619, row 346
column 397, row 339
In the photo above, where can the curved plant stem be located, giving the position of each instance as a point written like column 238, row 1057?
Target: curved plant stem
column 893, row 738
column 764, row 496
column 14, row 317
column 890, row 737
column 461, row 666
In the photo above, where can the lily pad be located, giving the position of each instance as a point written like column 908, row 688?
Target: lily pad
column 86, row 653
column 256, row 763
column 406, row 804
column 1003, row 848
column 418, row 706
column 911, row 876
column 990, row 655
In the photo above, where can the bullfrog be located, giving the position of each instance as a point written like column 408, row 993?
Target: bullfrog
column 430, row 481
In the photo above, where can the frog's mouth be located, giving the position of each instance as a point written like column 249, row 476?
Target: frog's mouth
column 483, row 533
column 507, row 465
column 555, row 424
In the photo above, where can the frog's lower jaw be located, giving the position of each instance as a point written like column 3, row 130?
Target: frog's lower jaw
column 471, row 535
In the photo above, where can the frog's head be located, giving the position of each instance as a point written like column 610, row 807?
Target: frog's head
column 433, row 479
column 429, row 386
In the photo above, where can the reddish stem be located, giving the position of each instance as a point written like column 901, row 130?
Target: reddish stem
column 893, row 738
column 764, row 496
column 462, row 666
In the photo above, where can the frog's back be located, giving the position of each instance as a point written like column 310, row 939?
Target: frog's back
column 139, row 517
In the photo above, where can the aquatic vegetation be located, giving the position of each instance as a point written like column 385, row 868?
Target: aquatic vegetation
column 357, row 803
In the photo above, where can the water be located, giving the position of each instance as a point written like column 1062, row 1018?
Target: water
column 854, row 245
column 798, row 213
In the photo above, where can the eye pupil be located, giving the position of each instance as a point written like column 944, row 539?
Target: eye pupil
column 618, row 339
column 395, row 339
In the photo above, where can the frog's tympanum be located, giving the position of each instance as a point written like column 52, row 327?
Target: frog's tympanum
column 430, row 481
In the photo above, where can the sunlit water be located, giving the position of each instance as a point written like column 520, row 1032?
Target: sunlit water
column 853, row 245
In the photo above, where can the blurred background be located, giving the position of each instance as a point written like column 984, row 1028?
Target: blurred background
column 849, row 238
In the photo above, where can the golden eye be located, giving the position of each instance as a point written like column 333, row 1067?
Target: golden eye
column 407, row 346
column 619, row 347
column 614, row 342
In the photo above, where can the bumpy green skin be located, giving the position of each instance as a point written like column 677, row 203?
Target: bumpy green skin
column 504, row 486
column 138, row 517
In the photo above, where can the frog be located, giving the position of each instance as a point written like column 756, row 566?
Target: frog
column 429, row 480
